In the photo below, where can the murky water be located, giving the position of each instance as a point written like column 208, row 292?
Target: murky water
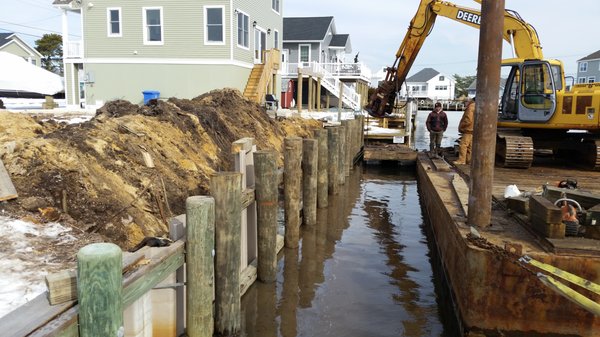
column 365, row 269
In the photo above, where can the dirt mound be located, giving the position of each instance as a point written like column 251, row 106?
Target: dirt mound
column 123, row 173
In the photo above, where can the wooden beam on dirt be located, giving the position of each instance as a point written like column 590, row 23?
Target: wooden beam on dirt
column 7, row 189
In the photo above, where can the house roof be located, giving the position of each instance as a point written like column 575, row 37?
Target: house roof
column 306, row 28
column 5, row 38
column 62, row 2
column 593, row 56
column 339, row 40
column 423, row 76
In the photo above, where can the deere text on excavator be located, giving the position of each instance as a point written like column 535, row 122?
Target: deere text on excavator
column 536, row 110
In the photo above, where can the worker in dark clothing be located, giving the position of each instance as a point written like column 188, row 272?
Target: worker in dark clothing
column 436, row 124
column 465, row 127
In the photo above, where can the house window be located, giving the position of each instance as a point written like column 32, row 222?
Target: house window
column 441, row 78
column 215, row 30
column 583, row 67
column 153, row 29
column 242, row 26
column 423, row 88
column 581, row 80
column 276, row 39
column 113, row 19
column 304, row 54
column 275, row 5
column 591, row 79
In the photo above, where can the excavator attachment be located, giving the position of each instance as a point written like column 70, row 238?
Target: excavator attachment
column 381, row 103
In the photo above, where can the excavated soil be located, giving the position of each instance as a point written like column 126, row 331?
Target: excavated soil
column 93, row 176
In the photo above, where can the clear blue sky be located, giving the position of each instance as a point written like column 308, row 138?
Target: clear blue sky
column 567, row 29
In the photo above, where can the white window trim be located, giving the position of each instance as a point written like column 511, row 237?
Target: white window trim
column 591, row 79
column 581, row 65
column 236, row 29
column 276, row 33
column 108, row 25
column 278, row 12
column 581, row 80
column 215, row 43
column 300, row 52
column 145, row 30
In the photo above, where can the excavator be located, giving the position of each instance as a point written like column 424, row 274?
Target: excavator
column 536, row 110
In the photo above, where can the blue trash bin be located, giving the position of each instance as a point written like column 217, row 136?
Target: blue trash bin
column 150, row 94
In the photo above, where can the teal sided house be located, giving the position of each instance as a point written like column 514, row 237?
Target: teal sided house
column 180, row 48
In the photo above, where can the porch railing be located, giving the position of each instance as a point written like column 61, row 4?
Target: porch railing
column 74, row 49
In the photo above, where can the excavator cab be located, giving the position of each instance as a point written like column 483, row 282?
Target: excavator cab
column 530, row 91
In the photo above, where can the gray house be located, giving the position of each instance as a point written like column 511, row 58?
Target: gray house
column 179, row 48
column 313, row 48
column 11, row 43
column 588, row 68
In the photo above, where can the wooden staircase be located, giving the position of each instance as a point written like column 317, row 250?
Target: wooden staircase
column 261, row 76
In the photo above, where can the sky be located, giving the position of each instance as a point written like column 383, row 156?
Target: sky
column 377, row 28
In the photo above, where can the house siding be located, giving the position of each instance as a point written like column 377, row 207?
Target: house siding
column 16, row 49
column 183, row 30
column 593, row 70
column 191, row 81
column 265, row 19
column 294, row 51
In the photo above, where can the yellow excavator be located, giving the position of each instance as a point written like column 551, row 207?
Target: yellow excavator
column 536, row 110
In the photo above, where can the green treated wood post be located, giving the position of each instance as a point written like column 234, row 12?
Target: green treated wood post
column 292, row 188
column 309, row 180
column 322, row 183
column 200, row 230
column 265, row 170
column 226, row 188
column 333, row 140
column 100, row 290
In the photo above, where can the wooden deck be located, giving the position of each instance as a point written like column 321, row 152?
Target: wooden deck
column 390, row 152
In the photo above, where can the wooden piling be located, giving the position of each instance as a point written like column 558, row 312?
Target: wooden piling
column 321, row 136
column 200, row 230
column 292, row 175
column 265, row 170
column 319, row 94
column 333, row 140
column 226, row 188
column 100, row 290
column 341, row 177
column 309, row 181
column 310, row 93
column 299, row 92
column 347, row 147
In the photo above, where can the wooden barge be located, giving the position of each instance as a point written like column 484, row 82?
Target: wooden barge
column 493, row 293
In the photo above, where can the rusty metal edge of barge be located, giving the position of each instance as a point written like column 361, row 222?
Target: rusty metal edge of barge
column 493, row 293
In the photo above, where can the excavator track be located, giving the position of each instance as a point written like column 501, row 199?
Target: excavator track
column 515, row 151
column 592, row 155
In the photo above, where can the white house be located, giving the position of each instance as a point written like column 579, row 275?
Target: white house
column 429, row 83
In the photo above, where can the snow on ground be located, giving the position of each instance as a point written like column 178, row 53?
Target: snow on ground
column 25, row 258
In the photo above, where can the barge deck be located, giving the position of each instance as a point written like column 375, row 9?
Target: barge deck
column 492, row 291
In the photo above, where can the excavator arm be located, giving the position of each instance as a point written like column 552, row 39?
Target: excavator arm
column 521, row 35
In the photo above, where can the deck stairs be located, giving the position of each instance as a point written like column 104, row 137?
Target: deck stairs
column 261, row 76
column 332, row 83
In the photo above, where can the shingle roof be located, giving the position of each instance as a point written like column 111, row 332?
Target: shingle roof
column 592, row 56
column 306, row 28
column 4, row 38
column 62, row 2
column 339, row 40
column 423, row 76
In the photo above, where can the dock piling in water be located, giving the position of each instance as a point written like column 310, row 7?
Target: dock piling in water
column 266, row 207
column 309, row 181
column 292, row 186
column 322, row 181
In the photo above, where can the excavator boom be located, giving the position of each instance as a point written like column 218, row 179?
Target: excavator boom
column 517, row 32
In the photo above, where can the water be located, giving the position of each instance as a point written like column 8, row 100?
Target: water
column 365, row 269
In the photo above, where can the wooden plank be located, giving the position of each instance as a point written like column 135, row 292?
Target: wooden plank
column 7, row 189
column 440, row 165
column 462, row 192
column 548, row 230
column 544, row 210
column 518, row 204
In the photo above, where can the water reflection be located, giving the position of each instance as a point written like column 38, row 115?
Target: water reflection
column 362, row 270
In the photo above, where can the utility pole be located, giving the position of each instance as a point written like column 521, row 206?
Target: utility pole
column 486, row 112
